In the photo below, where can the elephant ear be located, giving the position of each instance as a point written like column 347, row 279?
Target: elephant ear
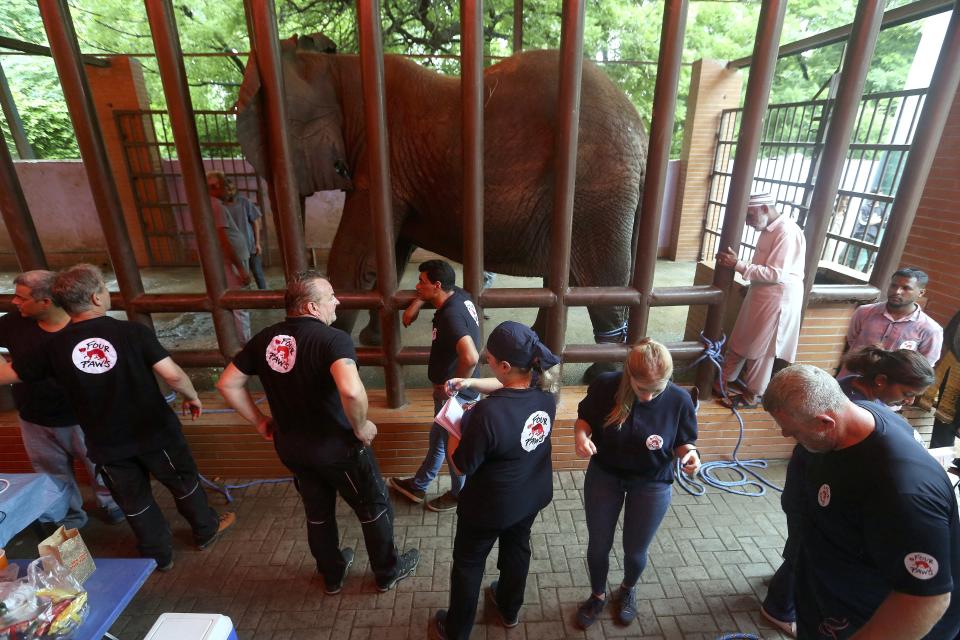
column 314, row 118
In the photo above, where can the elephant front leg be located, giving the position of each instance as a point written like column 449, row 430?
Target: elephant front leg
column 609, row 327
column 370, row 335
column 351, row 266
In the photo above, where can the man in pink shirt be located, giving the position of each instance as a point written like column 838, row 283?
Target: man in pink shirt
column 768, row 326
column 898, row 323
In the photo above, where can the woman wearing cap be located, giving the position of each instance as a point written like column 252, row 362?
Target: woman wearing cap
column 891, row 378
column 505, row 454
column 631, row 425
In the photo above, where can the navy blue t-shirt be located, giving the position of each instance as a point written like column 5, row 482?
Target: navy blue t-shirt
column 642, row 448
column 879, row 516
column 505, row 454
column 105, row 367
column 43, row 402
column 456, row 318
column 293, row 360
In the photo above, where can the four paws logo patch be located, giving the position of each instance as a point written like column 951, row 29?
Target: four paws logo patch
column 535, row 430
column 282, row 353
column 921, row 566
column 94, row 355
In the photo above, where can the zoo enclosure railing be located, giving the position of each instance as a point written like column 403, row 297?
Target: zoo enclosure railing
column 790, row 151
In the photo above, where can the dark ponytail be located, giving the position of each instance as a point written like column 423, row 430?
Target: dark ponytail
column 902, row 366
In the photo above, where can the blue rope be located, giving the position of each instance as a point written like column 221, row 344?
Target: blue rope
column 221, row 487
column 741, row 485
column 738, row 636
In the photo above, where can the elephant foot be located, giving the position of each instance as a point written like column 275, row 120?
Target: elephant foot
column 597, row 368
column 370, row 336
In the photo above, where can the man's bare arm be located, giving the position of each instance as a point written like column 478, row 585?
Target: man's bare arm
column 467, row 357
column 904, row 617
column 353, row 396
column 232, row 385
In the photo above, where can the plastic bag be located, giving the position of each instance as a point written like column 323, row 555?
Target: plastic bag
column 47, row 604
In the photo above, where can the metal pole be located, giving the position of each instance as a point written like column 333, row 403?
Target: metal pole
column 863, row 40
column 265, row 44
column 658, row 155
column 568, row 108
column 936, row 109
column 166, row 42
column 375, row 119
column 14, row 123
column 16, row 215
column 517, row 26
column 764, row 64
column 76, row 90
column 471, row 90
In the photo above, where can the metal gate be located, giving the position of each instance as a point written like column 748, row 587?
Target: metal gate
column 157, row 183
column 790, row 149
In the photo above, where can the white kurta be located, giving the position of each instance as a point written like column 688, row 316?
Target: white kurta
column 769, row 320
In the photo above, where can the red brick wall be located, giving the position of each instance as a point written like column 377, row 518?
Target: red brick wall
column 934, row 241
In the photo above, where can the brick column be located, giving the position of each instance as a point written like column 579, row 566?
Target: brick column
column 118, row 87
column 934, row 241
column 713, row 88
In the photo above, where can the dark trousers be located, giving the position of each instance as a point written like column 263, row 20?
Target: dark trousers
column 129, row 483
column 256, row 269
column 781, row 592
column 470, row 550
column 644, row 504
column 358, row 481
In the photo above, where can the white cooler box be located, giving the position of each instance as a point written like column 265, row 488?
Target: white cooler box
column 192, row 626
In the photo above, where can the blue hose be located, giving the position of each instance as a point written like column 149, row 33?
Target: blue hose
column 741, row 485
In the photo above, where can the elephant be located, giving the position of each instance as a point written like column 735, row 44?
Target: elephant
column 423, row 110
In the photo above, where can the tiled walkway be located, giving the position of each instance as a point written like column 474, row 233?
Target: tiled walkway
column 708, row 567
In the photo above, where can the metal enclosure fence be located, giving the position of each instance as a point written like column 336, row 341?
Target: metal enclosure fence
column 156, row 179
column 790, row 150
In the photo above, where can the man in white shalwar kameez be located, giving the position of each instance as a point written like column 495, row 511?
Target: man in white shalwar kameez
column 768, row 326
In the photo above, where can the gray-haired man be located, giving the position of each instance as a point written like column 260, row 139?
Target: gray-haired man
column 48, row 424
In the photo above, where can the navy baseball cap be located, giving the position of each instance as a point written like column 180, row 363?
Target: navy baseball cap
column 520, row 346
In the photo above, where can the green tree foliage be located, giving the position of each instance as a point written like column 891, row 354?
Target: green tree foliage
column 620, row 35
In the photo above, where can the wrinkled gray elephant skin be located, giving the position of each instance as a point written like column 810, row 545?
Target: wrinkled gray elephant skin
column 329, row 146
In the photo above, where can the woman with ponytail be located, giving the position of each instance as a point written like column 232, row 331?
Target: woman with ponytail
column 888, row 377
column 631, row 425
column 505, row 454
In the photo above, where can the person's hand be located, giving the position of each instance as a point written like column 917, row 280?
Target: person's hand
column 367, row 433
column 455, row 385
column 690, row 463
column 193, row 407
column 727, row 258
column 584, row 445
column 257, row 249
column 266, row 427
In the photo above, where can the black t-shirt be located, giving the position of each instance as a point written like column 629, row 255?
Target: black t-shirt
column 105, row 367
column 505, row 454
column 879, row 516
column 42, row 402
column 456, row 318
column 642, row 448
column 293, row 360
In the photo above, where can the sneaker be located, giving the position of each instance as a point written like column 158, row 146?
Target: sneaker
column 165, row 564
column 588, row 611
column 405, row 488
column 227, row 520
column 789, row 628
column 334, row 588
column 442, row 503
column 408, row 566
column 114, row 516
column 492, row 598
column 628, row 605
column 437, row 628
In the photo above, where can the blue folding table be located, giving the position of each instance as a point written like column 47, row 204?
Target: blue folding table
column 110, row 589
column 28, row 497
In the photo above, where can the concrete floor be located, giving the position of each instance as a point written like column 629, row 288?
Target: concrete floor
column 195, row 330
column 706, row 576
